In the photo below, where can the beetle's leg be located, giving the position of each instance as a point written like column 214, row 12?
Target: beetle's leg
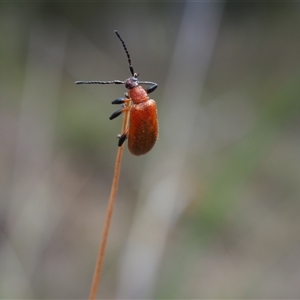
column 151, row 88
column 120, row 100
column 118, row 112
column 122, row 138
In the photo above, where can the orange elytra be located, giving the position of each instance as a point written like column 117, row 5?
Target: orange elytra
column 142, row 131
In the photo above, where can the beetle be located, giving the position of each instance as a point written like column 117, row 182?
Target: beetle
column 142, row 131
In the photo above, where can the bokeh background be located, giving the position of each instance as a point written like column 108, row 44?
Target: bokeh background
column 212, row 211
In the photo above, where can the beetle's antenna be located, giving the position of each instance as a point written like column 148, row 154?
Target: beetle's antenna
column 127, row 53
column 100, row 82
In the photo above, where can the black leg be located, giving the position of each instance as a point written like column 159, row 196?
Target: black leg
column 121, row 100
column 122, row 139
column 116, row 113
column 152, row 87
column 118, row 101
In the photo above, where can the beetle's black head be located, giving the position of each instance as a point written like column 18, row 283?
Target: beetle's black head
column 132, row 82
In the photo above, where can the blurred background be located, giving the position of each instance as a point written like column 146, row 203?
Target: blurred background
column 212, row 211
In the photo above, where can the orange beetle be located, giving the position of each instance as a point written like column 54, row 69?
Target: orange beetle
column 142, row 132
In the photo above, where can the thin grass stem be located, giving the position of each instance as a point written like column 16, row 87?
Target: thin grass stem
column 109, row 212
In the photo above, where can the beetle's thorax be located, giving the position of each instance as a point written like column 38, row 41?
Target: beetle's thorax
column 138, row 95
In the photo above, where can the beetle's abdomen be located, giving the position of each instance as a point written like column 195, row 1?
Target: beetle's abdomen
column 143, row 127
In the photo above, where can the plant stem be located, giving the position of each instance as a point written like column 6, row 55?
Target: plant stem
column 109, row 211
